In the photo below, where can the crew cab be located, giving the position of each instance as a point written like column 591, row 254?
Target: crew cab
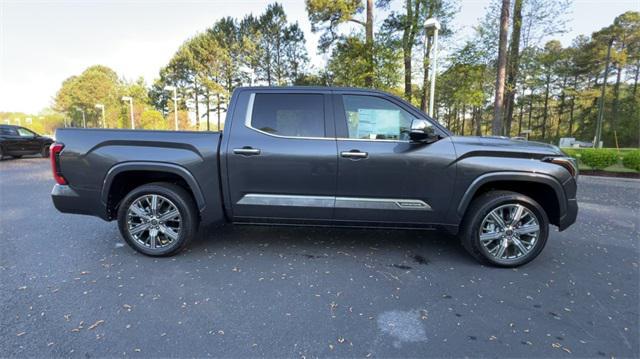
column 318, row 156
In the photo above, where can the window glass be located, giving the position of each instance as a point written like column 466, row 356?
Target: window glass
column 8, row 131
column 296, row 115
column 25, row 133
column 374, row 118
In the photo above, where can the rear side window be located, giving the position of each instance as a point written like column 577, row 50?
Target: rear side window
column 294, row 115
column 374, row 118
column 7, row 131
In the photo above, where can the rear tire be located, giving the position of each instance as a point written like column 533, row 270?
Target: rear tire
column 45, row 151
column 505, row 242
column 16, row 156
column 161, row 231
column 1, row 154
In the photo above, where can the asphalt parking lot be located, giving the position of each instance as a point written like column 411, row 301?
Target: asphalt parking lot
column 71, row 287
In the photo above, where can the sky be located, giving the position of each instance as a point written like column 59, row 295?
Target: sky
column 44, row 42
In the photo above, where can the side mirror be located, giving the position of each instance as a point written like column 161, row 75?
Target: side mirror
column 422, row 132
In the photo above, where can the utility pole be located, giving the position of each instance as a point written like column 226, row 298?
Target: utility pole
column 84, row 120
column 101, row 106
column 130, row 99
column 433, row 23
column 602, row 93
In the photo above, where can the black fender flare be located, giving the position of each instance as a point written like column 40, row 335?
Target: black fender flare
column 152, row 167
column 513, row 176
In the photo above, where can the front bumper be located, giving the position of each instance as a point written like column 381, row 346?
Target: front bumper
column 571, row 213
column 570, row 216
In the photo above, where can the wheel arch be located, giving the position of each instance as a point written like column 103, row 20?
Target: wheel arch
column 126, row 176
column 542, row 188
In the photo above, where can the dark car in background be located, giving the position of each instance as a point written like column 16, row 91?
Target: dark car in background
column 17, row 141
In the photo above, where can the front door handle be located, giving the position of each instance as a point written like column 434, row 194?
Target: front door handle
column 247, row 151
column 354, row 154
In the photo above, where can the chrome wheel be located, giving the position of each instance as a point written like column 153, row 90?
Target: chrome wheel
column 153, row 221
column 509, row 231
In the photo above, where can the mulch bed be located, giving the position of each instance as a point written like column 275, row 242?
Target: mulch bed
column 610, row 174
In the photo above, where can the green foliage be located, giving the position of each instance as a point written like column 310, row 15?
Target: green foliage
column 599, row 158
column 631, row 160
column 153, row 120
column 96, row 84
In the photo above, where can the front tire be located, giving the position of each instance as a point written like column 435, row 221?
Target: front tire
column 504, row 229
column 158, row 219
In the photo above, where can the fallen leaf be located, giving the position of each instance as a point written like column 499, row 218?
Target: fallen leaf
column 94, row 325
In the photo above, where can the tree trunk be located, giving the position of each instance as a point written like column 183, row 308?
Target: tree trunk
column 635, row 80
column 196, row 96
column 368, row 80
column 616, row 98
column 573, row 102
column 545, row 112
column 496, row 124
column 530, row 112
column 521, row 112
column 219, row 101
column 478, row 122
column 561, row 109
column 208, row 109
column 408, row 38
column 514, row 63
column 464, row 113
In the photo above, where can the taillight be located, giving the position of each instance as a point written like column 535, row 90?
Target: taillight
column 54, row 155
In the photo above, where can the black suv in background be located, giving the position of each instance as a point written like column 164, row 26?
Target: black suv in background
column 16, row 141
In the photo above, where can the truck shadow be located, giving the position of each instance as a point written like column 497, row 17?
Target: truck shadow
column 402, row 249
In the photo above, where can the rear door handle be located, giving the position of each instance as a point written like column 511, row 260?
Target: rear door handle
column 246, row 151
column 354, row 154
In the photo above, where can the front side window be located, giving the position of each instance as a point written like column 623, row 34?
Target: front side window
column 374, row 118
column 294, row 115
column 25, row 133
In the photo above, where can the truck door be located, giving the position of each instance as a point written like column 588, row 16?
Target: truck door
column 281, row 157
column 382, row 177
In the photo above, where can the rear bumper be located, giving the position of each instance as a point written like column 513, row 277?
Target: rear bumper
column 69, row 200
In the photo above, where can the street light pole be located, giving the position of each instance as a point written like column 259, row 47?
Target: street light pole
column 175, row 103
column 435, row 24
column 130, row 99
column 101, row 106
column 84, row 120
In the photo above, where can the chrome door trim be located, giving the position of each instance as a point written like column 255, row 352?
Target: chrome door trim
column 259, row 199
column 382, row 203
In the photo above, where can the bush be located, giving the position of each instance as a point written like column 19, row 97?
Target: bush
column 571, row 152
column 631, row 160
column 598, row 159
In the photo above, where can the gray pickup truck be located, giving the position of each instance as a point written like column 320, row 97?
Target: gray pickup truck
column 318, row 156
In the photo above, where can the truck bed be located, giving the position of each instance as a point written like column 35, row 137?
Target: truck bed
column 93, row 159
